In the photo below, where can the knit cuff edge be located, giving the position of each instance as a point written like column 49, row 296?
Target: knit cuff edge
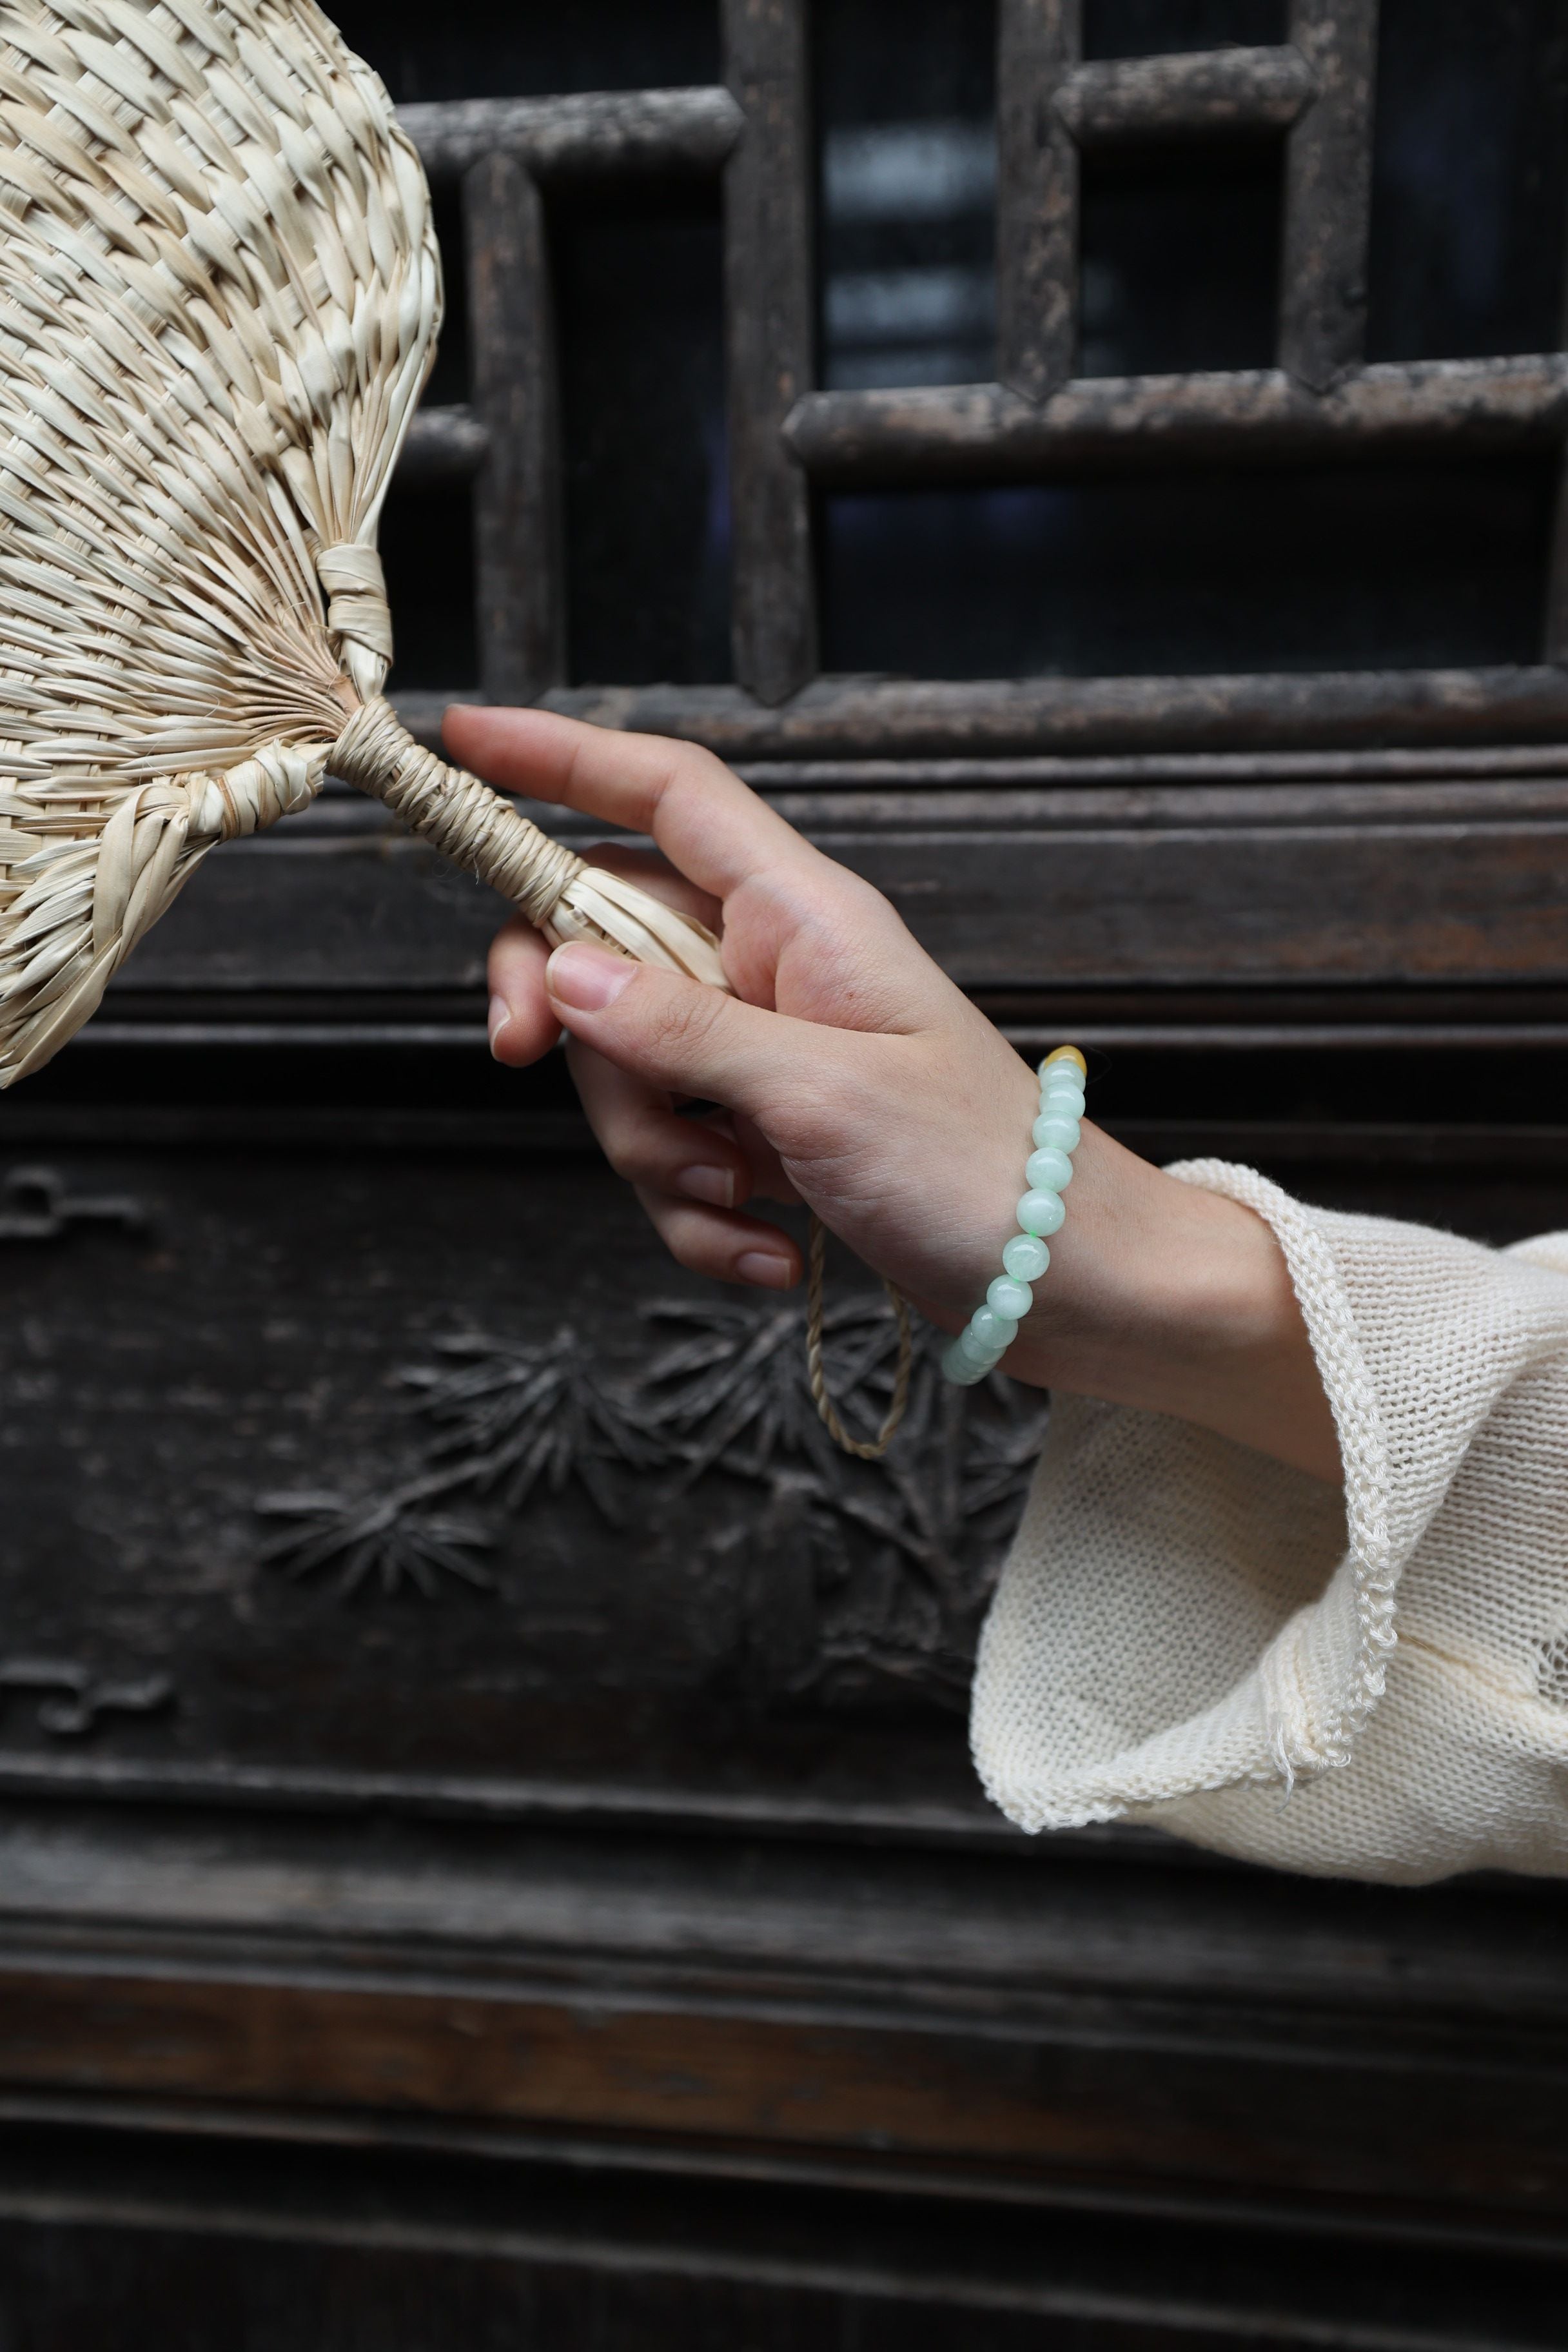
column 1336, row 1347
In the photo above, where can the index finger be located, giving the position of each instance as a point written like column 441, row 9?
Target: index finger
column 705, row 821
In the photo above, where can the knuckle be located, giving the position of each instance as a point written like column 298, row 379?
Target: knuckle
column 684, row 1237
column 631, row 1141
column 678, row 1021
column 623, row 1156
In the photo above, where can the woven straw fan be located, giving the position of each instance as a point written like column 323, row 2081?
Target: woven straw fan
column 219, row 293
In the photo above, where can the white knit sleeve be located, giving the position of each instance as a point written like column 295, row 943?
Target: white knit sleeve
column 1374, row 1685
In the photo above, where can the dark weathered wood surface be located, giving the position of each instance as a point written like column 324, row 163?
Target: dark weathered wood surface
column 1328, row 193
column 484, row 2240
column 768, row 309
column 828, row 2004
column 593, row 1869
column 1133, row 101
column 248, row 1516
column 444, row 445
column 847, row 718
column 1038, row 43
column 488, row 1849
column 584, row 136
column 520, row 587
column 1163, row 885
column 983, row 432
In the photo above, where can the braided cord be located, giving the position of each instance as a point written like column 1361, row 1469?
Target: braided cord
column 868, row 1449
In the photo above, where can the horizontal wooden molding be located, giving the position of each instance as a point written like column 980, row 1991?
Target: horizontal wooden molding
column 1198, row 94
column 732, row 1997
column 591, row 134
column 983, row 432
column 858, row 717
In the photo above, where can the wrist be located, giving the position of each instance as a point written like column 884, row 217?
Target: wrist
column 1171, row 1300
column 1039, row 1211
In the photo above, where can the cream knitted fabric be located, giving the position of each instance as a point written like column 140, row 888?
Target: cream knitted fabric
column 1189, row 1634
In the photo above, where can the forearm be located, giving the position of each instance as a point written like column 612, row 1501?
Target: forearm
column 1169, row 1299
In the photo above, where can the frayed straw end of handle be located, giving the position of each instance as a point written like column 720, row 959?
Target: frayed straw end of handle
column 599, row 906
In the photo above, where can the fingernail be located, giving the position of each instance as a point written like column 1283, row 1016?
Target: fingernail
column 499, row 1016
column 765, row 1269
column 587, row 979
column 716, row 1185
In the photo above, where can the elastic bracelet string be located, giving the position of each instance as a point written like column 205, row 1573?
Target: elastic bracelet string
column 869, row 1449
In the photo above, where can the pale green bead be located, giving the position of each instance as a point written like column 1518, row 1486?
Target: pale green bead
column 974, row 1353
column 1009, row 1296
column 1048, row 1170
column 993, row 1327
column 1053, row 1067
column 1027, row 1256
column 959, row 1368
column 1058, row 1126
column 1067, row 1101
column 1042, row 1212
column 977, row 1341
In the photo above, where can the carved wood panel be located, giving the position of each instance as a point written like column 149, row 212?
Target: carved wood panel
column 488, row 1849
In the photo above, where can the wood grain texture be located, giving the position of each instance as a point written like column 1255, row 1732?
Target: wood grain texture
column 1074, row 887
column 882, row 717
column 582, row 137
column 1111, row 424
column 1328, row 193
column 742, row 1650
column 480, row 2240
column 520, row 585
column 769, row 308
column 1196, row 94
column 1045, row 2016
column 1038, row 43
column 854, row 2082
column 618, row 1951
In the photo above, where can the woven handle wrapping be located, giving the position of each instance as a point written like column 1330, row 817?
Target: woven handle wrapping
column 560, row 895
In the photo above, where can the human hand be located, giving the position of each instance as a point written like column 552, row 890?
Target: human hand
column 853, row 1076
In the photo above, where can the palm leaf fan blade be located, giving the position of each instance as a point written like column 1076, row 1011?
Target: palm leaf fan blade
column 220, row 297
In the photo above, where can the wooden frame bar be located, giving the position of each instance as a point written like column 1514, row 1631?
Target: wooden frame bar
column 1328, row 193
column 1038, row 43
column 588, row 135
column 444, row 445
column 983, row 432
column 1038, row 421
column 1200, row 95
column 769, row 308
column 857, row 717
column 520, row 588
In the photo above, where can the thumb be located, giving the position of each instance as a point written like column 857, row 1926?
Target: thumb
column 677, row 1034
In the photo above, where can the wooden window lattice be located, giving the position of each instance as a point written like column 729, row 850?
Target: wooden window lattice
column 1036, row 421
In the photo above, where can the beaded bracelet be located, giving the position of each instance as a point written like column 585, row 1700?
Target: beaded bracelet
column 992, row 1328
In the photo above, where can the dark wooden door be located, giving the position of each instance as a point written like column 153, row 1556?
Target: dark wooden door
column 488, row 1849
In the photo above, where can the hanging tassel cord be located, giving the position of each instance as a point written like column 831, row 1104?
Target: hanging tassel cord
column 867, row 1449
